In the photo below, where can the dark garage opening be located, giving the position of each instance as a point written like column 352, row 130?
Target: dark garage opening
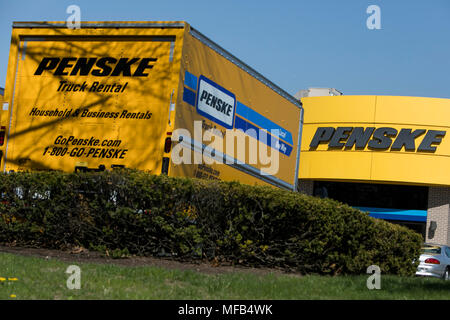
column 386, row 196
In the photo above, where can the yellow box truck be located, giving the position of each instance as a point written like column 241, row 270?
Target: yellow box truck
column 155, row 96
column 2, row 128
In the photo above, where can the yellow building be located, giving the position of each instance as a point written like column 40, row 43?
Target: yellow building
column 386, row 155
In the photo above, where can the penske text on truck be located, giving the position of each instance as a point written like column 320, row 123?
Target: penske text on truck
column 155, row 96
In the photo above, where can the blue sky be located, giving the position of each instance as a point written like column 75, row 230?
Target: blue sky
column 296, row 44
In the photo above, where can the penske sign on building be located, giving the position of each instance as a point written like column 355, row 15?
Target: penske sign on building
column 382, row 138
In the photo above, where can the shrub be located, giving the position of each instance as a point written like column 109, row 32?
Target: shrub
column 142, row 214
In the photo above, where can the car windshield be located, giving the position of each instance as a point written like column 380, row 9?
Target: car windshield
column 431, row 249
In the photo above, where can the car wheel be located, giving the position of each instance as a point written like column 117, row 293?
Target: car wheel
column 446, row 274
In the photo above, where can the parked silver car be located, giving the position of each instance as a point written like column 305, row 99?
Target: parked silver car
column 434, row 261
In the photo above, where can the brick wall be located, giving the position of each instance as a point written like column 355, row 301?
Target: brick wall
column 439, row 211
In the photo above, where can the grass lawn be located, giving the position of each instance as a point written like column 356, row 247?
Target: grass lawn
column 36, row 278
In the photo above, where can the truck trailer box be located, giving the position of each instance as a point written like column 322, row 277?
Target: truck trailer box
column 154, row 96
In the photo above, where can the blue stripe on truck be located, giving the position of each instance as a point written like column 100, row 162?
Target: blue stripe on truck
column 271, row 141
column 190, row 80
column 247, row 119
column 189, row 96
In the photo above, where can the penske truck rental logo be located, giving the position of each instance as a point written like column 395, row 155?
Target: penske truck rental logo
column 221, row 106
column 215, row 102
column 99, row 67
column 115, row 69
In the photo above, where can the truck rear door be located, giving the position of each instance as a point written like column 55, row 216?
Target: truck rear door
column 91, row 100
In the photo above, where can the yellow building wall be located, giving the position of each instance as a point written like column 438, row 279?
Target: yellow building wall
column 368, row 165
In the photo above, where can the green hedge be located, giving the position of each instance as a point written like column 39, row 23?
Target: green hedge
column 132, row 211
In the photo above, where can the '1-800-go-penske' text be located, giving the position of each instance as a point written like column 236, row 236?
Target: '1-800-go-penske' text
column 88, row 148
